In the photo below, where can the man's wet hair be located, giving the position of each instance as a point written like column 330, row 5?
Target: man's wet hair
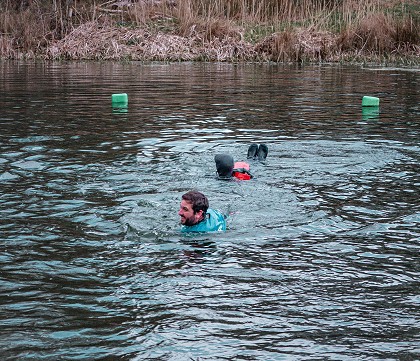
column 198, row 201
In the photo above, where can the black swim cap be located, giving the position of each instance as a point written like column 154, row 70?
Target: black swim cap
column 224, row 165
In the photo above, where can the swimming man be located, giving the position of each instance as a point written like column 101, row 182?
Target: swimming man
column 196, row 216
column 227, row 168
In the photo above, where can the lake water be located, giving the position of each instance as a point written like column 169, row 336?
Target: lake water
column 321, row 257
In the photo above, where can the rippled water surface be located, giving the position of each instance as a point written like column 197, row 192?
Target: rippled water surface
column 321, row 257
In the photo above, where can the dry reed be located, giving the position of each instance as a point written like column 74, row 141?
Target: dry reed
column 211, row 30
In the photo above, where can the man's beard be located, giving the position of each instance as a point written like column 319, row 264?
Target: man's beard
column 188, row 222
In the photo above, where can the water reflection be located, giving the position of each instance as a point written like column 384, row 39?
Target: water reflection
column 370, row 113
column 321, row 256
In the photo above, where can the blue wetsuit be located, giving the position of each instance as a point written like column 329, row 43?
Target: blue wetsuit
column 213, row 222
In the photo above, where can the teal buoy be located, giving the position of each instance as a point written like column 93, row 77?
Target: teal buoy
column 119, row 99
column 370, row 101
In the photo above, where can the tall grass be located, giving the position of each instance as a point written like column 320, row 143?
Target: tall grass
column 276, row 30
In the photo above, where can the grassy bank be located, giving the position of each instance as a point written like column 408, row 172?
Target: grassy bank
column 379, row 31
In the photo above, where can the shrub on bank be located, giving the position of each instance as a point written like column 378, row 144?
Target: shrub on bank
column 211, row 30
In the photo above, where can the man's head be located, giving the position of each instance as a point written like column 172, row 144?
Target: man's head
column 224, row 165
column 193, row 208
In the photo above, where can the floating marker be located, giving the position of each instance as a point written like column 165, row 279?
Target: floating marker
column 119, row 99
column 370, row 101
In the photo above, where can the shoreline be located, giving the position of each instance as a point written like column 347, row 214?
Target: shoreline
column 92, row 42
column 176, row 34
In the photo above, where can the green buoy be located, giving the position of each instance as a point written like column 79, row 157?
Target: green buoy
column 370, row 101
column 119, row 99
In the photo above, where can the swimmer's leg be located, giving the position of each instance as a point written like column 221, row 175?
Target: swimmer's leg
column 252, row 151
column 262, row 152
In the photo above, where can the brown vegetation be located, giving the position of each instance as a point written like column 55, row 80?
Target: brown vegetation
column 211, row 30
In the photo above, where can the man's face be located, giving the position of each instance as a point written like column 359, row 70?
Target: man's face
column 188, row 217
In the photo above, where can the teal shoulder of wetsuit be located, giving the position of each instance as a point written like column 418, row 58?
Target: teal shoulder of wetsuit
column 214, row 222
